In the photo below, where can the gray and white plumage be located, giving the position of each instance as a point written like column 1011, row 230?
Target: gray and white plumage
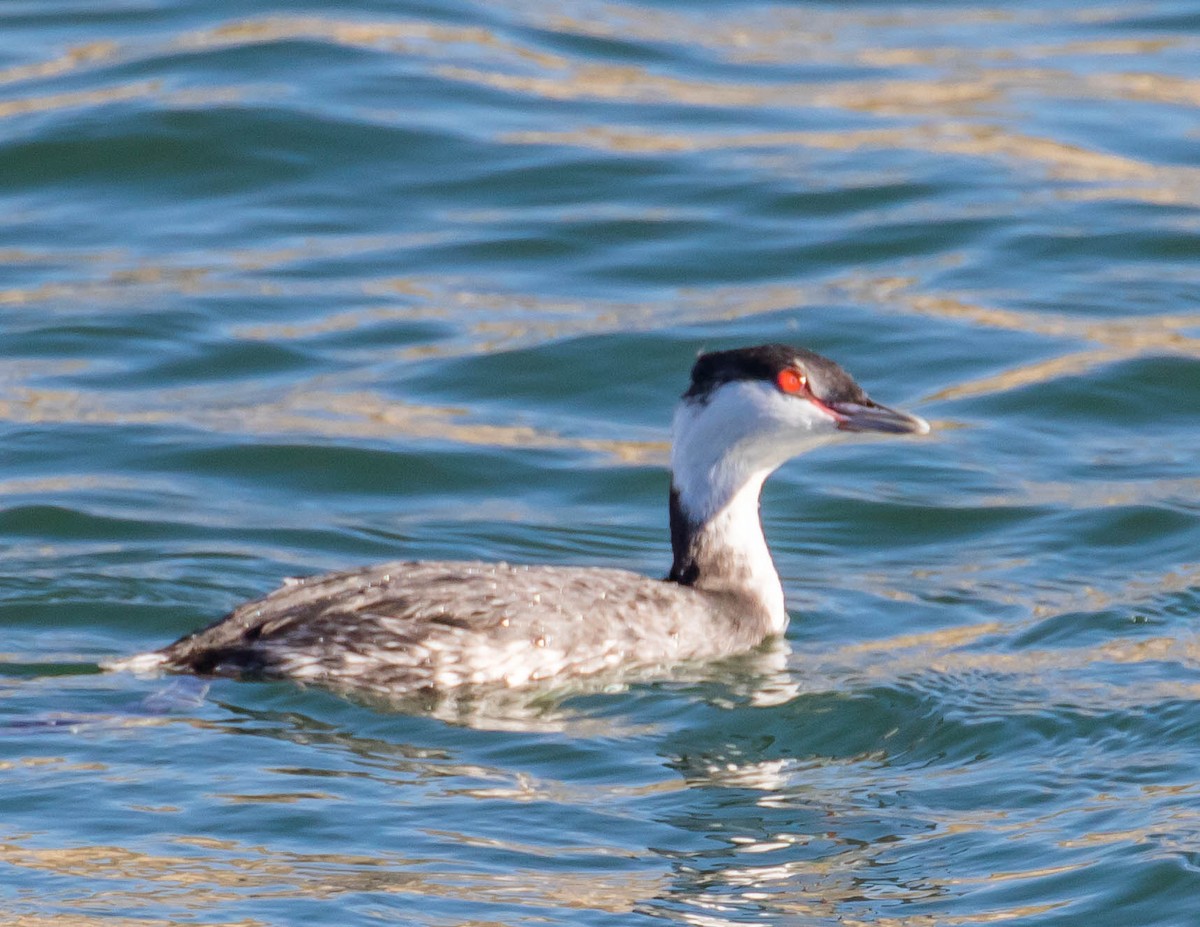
column 406, row 627
column 411, row 625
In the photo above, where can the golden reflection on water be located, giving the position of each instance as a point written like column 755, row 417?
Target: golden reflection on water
column 960, row 103
column 409, row 37
column 76, row 58
column 82, row 98
column 495, row 321
column 1121, row 339
column 210, row 873
column 956, row 111
column 782, row 37
column 778, row 868
column 959, row 652
column 312, row 412
column 819, row 873
column 966, row 111
column 1128, row 178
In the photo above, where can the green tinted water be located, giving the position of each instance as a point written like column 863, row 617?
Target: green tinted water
column 287, row 292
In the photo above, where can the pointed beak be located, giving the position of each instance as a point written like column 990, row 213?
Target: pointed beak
column 853, row 416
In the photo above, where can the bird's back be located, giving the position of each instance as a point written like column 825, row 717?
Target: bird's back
column 407, row 626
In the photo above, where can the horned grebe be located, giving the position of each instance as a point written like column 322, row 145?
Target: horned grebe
column 405, row 627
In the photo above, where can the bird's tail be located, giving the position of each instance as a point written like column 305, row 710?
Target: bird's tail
column 140, row 664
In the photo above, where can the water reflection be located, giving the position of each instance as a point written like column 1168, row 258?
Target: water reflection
column 1109, row 176
column 313, row 409
column 760, row 678
column 1018, row 746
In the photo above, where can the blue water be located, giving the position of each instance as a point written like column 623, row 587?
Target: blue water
column 292, row 289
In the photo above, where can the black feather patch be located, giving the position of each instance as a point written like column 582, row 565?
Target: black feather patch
column 828, row 381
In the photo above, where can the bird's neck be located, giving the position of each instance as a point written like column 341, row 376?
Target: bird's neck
column 722, row 452
column 726, row 553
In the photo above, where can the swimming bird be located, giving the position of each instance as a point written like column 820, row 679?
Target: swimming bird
column 427, row 626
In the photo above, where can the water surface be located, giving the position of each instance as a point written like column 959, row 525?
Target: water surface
column 299, row 289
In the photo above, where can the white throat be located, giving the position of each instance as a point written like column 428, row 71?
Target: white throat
column 739, row 437
column 723, row 450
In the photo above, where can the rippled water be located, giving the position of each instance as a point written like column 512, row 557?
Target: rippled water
column 288, row 291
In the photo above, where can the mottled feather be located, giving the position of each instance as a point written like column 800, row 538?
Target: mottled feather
column 406, row 626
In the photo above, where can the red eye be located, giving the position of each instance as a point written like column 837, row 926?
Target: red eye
column 791, row 381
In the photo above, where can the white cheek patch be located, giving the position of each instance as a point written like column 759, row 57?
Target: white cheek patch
column 743, row 432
